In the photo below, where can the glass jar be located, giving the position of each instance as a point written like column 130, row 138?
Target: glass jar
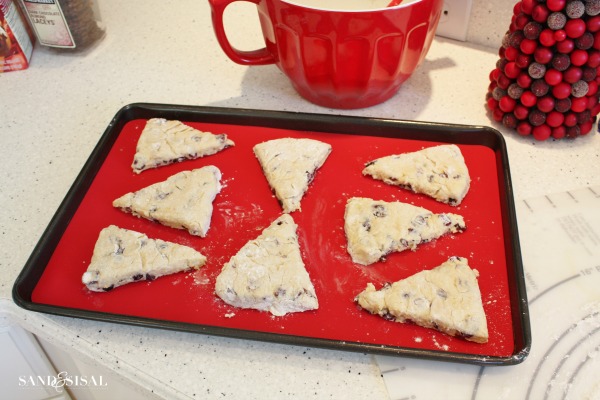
column 70, row 25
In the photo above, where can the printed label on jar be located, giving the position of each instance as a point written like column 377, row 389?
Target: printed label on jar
column 49, row 23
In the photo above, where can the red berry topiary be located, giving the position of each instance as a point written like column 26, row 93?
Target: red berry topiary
column 545, row 83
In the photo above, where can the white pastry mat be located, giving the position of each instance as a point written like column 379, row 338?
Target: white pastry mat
column 560, row 242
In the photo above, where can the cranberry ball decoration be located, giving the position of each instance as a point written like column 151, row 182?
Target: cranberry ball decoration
column 545, row 82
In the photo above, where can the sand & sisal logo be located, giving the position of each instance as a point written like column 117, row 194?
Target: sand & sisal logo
column 61, row 380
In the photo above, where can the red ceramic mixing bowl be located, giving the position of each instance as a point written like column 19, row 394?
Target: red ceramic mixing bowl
column 339, row 58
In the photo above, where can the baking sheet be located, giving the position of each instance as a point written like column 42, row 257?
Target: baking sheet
column 51, row 280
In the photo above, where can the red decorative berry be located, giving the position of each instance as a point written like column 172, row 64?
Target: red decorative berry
column 560, row 35
column 559, row 132
column 492, row 103
column 596, row 40
column 572, row 74
column 561, row 90
column 503, row 81
column 547, row 38
column 586, row 127
column 545, row 104
column 593, row 24
column 528, row 46
column 507, row 104
column 524, row 128
column 529, row 99
column 527, row 6
column 543, row 55
column 497, row 114
column 523, row 60
column 579, row 57
column 555, row 119
column 556, row 5
column 592, row 89
column 524, row 80
column 494, row 74
column 553, row 77
column 521, row 20
column 565, row 46
column 579, row 104
column 521, row 112
column 575, row 28
column 540, row 13
column 517, row 8
column 511, row 54
column 593, row 59
column 570, row 119
column 511, row 70
column 541, row 132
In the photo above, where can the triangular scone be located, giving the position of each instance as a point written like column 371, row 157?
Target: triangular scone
column 446, row 298
column 290, row 166
column 439, row 172
column 376, row 228
column 268, row 273
column 122, row 256
column 183, row 201
column 164, row 142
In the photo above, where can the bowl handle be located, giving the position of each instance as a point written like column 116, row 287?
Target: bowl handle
column 254, row 57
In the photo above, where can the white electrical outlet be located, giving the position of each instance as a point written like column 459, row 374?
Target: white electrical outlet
column 454, row 21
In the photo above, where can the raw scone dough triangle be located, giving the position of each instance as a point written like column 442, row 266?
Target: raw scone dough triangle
column 183, row 201
column 268, row 273
column 376, row 228
column 164, row 142
column 290, row 166
column 439, row 172
column 122, row 256
column 446, row 298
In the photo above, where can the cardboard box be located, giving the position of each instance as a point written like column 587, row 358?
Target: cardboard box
column 16, row 40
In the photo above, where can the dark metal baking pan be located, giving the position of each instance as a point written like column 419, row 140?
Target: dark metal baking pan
column 50, row 281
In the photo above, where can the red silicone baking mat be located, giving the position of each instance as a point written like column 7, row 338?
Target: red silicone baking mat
column 246, row 205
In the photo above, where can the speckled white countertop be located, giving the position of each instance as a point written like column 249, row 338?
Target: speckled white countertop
column 52, row 115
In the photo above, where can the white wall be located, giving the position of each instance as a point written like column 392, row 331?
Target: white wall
column 489, row 21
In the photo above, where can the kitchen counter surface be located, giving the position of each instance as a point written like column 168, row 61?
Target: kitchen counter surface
column 53, row 114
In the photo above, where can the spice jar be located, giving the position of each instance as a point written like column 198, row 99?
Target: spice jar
column 70, row 25
column 16, row 40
